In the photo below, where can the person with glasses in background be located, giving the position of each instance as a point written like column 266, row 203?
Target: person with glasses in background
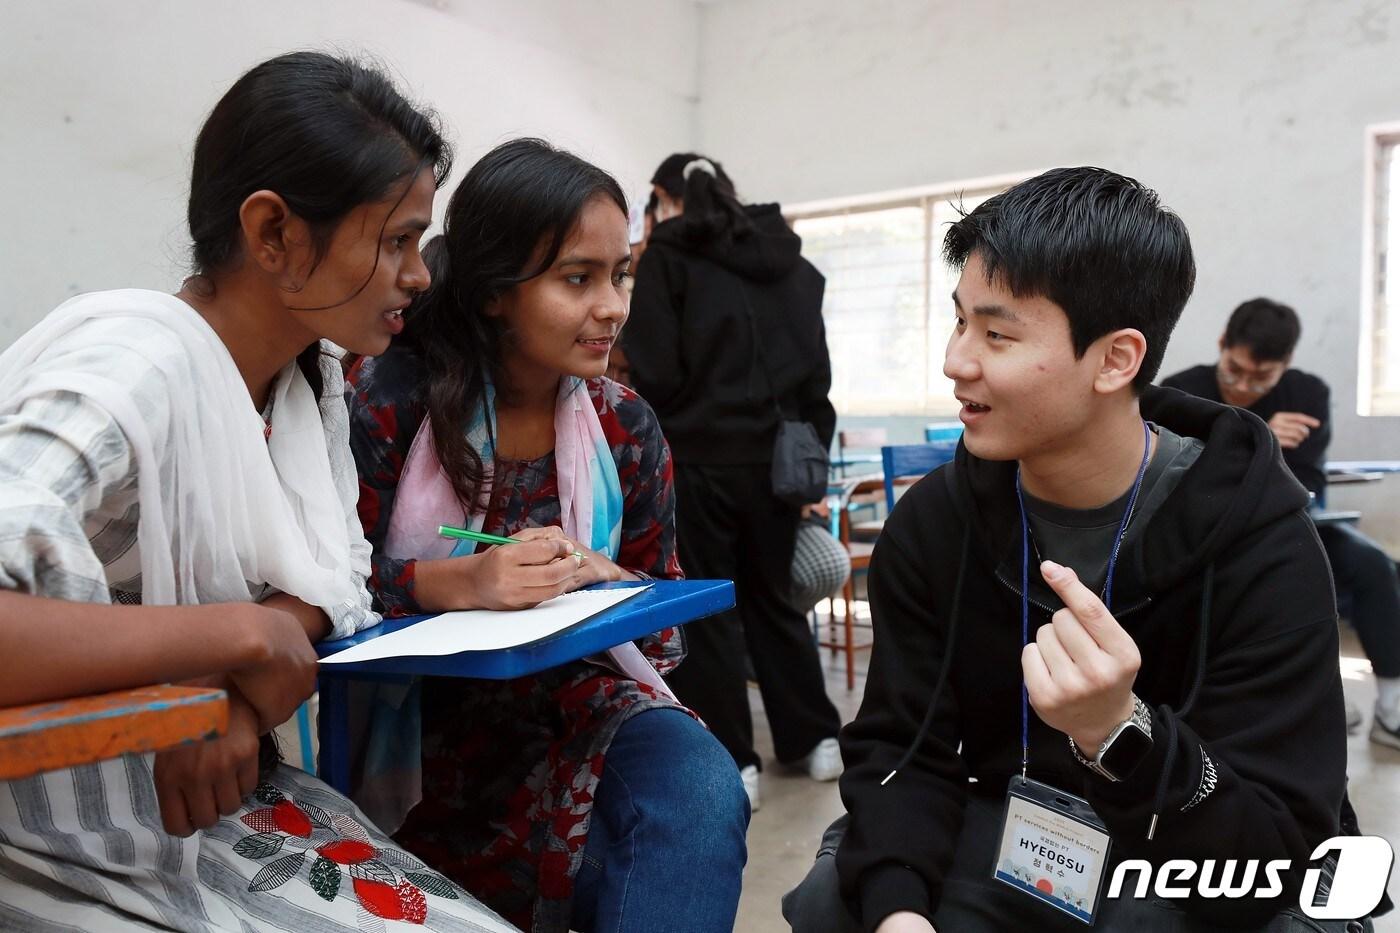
column 1254, row 373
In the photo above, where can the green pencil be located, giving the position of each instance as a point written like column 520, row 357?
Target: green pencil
column 481, row 537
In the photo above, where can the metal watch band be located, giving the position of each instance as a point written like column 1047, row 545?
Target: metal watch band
column 1141, row 717
column 1074, row 750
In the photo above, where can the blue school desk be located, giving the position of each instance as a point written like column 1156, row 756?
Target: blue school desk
column 667, row 603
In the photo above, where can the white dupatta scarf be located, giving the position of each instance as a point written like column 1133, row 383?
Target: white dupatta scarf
column 220, row 505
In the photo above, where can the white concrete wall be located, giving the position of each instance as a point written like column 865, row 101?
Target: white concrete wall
column 1247, row 116
column 100, row 103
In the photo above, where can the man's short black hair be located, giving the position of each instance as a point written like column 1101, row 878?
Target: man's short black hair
column 1268, row 329
column 1098, row 244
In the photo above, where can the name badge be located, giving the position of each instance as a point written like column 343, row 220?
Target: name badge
column 1053, row 848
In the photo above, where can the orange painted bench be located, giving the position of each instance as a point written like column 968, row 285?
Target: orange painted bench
column 64, row 733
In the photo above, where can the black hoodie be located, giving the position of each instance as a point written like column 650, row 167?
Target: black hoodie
column 1249, row 753
column 691, row 342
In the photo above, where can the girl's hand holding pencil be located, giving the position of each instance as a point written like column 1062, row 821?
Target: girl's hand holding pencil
column 529, row 534
column 540, row 564
column 593, row 567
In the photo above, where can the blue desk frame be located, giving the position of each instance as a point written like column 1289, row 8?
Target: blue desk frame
column 667, row 603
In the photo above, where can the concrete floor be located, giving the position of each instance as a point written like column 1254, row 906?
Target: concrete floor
column 784, row 834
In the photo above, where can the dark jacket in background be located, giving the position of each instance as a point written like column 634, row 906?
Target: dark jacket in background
column 1296, row 391
column 1255, row 769
column 691, row 344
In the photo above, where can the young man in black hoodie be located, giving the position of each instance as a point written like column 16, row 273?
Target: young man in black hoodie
column 1137, row 560
column 1254, row 373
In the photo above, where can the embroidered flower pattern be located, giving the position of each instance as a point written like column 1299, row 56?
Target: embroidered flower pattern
column 387, row 883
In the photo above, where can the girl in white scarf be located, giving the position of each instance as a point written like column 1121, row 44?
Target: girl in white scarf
column 187, row 455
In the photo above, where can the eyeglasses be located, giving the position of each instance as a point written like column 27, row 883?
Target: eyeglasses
column 1253, row 383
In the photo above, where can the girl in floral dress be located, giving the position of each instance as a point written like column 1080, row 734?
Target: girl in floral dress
column 177, row 502
column 583, row 797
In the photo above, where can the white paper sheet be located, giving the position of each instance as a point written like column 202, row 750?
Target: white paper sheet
column 485, row 629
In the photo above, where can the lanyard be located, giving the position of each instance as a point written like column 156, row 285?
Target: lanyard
column 1107, row 594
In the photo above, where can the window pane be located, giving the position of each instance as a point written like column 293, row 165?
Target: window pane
column 875, row 315
column 888, row 309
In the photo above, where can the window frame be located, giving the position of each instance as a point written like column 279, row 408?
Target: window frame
column 1376, row 264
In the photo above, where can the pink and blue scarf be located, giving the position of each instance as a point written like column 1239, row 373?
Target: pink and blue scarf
column 590, row 492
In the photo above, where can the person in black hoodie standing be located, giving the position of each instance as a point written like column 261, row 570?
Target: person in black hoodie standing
column 1136, row 560
column 726, row 339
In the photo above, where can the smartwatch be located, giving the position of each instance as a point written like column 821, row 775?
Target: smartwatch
column 1126, row 747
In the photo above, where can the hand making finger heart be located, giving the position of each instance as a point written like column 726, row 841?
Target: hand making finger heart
column 1080, row 669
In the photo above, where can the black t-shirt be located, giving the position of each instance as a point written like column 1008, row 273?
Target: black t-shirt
column 1083, row 538
column 1296, row 391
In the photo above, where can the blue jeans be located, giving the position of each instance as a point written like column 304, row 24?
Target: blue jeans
column 665, row 846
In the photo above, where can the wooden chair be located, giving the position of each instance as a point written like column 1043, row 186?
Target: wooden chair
column 871, row 439
column 64, row 733
column 859, row 552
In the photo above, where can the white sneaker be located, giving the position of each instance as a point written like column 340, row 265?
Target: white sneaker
column 749, row 775
column 1353, row 716
column 1381, row 731
column 824, row 764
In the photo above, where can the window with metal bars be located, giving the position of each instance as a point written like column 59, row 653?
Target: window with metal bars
column 888, row 305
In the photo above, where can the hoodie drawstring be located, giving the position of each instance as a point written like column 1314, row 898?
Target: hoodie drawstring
column 947, row 658
column 1165, row 709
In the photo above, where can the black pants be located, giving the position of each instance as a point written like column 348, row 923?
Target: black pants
column 730, row 527
column 1369, row 592
column 974, row 902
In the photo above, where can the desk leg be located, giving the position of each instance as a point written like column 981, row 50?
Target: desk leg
column 335, row 732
